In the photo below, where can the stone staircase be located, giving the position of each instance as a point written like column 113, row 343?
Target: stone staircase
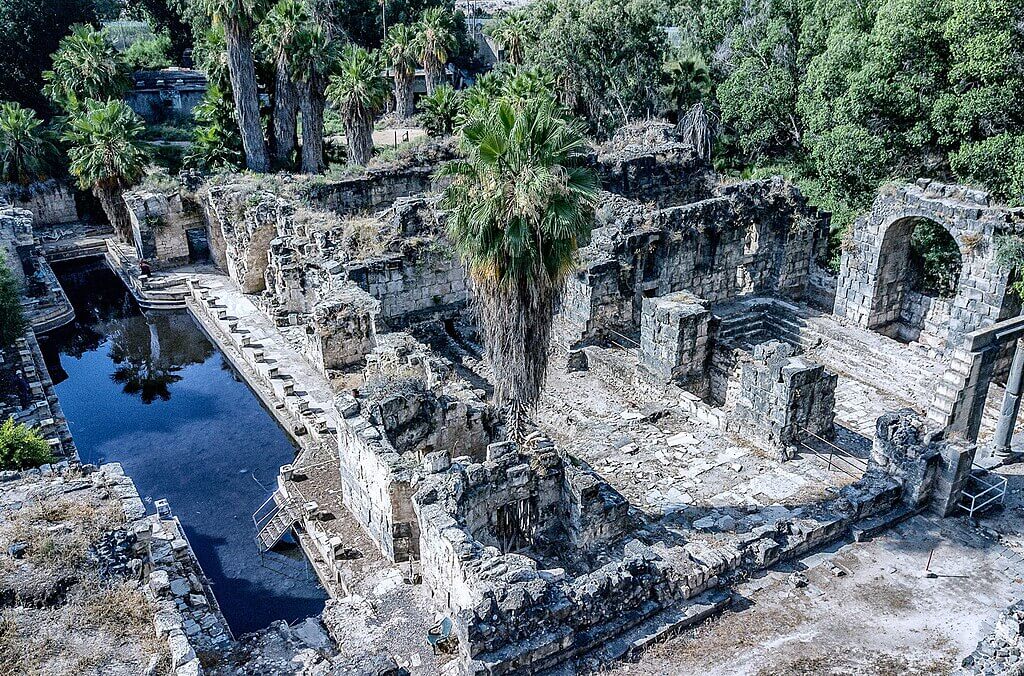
column 159, row 291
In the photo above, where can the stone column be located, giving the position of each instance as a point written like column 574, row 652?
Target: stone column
column 1011, row 405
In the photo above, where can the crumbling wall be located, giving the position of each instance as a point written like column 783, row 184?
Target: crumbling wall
column 16, row 239
column 1002, row 651
column 430, row 279
column 755, row 237
column 245, row 220
column 905, row 450
column 342, row 330
column 783, row 398
column 51, row 202
column 161, row 225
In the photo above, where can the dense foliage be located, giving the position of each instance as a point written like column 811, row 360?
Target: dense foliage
column 12, row 318
column 26, row 150
column 22, row 447
column 85, row 66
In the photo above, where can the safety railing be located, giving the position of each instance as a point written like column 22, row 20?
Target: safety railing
column 838, row 459
column 984, row 489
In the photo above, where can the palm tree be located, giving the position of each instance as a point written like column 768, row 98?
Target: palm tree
column 435, row 40
column 107, row 155
column 686, row 81
column 517, row 207
column 359, row 92
column 85, row 66
column 402, row 57
column 699, row 129
column 510, row 32
column 25, row 148
column 238, row 18
column 278, row 35
column 314, row 60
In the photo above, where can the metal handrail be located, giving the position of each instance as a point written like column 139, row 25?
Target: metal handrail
column 982, row 477
column 839, row 457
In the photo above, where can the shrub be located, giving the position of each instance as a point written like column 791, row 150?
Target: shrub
column 22, row 447
column 151, row 53
column 12, row 318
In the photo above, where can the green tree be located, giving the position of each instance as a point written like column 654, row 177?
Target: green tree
column 238, row 17
column 85, row 66
column 606, row 56
column 26, row 152
column 278, row 38
column 401, row 55
column 979, row 117
column 358, row 92
column 686, row 81
column 12, row 317
column 511, row 31
column 517, row 207
column 107, row 156
column 216, row 144
column 22, row 447
column 32, row 31
column 435, row 41
column 151, row 53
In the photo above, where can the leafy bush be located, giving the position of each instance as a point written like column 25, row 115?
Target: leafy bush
column 12, row 318
column 151, row 53
column 22, row 447
column 440, row 110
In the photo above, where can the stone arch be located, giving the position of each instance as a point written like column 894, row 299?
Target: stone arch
column 871, row 291
column 898, row 309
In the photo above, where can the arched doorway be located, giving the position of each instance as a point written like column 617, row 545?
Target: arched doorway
column 919, row 270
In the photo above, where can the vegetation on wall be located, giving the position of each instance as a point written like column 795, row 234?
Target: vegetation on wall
column 22, row 447
column 12, row 317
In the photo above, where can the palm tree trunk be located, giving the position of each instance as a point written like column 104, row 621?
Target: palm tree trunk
column 359, row 132
column 431, row 74
column 112, row 203
column 246, row 92
column 311, row 105
column 286, row 105
column 403, row 96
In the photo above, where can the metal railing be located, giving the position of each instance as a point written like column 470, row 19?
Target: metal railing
column 839, row 459
column 990, row 490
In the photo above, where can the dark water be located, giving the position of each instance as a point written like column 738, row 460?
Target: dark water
column 151, row 392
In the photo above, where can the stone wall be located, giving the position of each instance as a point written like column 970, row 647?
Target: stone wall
column 161, row 225
column 925, row 319
column 754, row 238
column 674, row 338
column 431, row 280
column 51, row 202
column 783, row 398
column 243, row 220
column 873, row 276
column 1002, row 651
column 342, row 330
column 646, row 162
column 524, row 613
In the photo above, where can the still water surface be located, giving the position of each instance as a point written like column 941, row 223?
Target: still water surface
column 151, row 392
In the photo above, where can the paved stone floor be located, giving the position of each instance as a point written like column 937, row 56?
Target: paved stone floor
column 868, row 608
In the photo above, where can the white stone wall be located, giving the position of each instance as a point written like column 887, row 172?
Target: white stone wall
column 51, row 202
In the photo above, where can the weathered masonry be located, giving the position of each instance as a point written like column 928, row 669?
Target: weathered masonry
column 873, row 288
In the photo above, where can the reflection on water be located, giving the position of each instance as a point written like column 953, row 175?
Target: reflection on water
column 151, row 392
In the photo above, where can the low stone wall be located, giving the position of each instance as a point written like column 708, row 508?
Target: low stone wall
column 512, row 614
column 51, row 202
column 674, row 338
column 43, row 411
column 925, row 319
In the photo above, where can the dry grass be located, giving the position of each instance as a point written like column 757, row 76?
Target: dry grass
column 91, row 626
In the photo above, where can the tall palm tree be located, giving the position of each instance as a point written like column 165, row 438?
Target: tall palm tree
column 315, row 58
column 85, row 66
column 238, row 18
column 107, row 155
column 278, row 35
column 402, row 57
column 25, row 147
column 359, row 92
column 435, row 40
column 510, row 31
column 517, row 207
